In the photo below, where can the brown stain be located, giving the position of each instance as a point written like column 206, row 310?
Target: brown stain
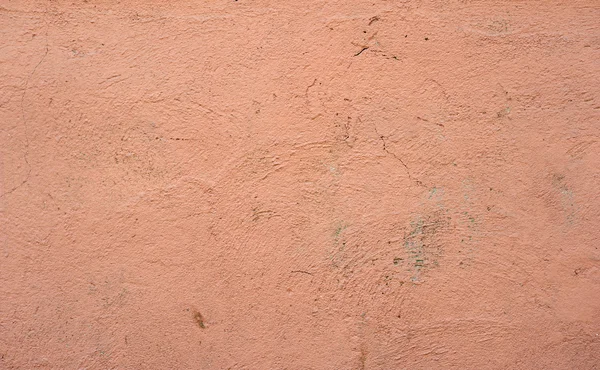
column 198, row 319
column 362, row 358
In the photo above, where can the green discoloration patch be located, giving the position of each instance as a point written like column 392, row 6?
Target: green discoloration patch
column 339, row 250
column 339, row 230
column 504, row 112
column 567, row 197
column 422, row 244
column 470, row 218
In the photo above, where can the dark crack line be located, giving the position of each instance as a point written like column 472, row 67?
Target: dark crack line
column 395, row 156
column 24, row 118
column 347, row 132
column 25, row 91
column 385, row 149
column 309, row 86
column 360, row 52
column 301, row 272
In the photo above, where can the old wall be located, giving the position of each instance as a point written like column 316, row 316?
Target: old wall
column 299, row 185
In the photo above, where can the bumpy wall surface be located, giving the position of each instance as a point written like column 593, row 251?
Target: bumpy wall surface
column 299, row 184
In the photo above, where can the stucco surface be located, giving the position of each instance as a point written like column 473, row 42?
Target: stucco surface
column 299, row 184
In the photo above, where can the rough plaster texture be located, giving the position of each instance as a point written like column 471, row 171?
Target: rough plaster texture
column 299, row 185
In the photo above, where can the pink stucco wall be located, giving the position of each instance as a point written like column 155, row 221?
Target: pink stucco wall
column 299, row 184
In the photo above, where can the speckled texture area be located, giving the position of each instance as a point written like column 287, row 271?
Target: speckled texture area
column 299, row 185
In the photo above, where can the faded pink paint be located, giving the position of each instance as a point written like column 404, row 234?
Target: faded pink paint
column 299, row 185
